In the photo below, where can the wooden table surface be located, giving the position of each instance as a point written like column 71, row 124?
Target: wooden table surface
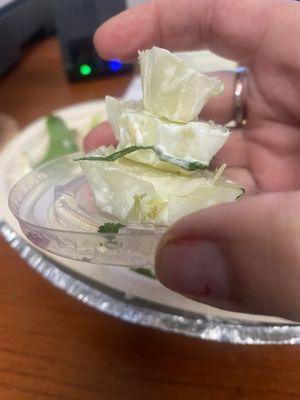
column 53, row 347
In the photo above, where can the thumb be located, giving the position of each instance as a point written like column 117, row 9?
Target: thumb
column 242, row 256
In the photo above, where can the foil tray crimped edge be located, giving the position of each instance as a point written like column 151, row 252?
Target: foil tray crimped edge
column 204, row 328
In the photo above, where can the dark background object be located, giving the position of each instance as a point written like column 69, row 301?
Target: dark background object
column 20, row 20
column 76, row 22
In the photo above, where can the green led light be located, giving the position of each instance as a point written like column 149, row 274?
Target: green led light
column 85, row 69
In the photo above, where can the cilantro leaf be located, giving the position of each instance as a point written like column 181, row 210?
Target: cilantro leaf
column 144, row 271
column 110, row 227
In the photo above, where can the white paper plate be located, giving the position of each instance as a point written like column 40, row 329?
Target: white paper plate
column 120, row 291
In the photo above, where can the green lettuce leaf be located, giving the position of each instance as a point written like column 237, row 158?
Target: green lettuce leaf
column 62, row 139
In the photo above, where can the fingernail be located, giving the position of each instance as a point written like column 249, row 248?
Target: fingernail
column 193, row 267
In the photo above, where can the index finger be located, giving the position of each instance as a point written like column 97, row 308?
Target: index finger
column 231, row 28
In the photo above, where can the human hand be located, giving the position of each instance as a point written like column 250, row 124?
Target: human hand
column 242, row 256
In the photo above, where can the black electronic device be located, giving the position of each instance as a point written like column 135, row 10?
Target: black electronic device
column 76, row 22
column 20, row 20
